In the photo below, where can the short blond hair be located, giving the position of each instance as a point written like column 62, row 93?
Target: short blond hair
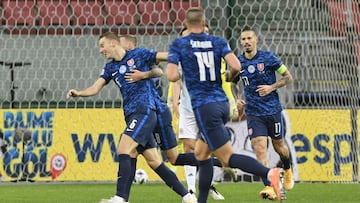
column 110, row 35
column 130, row 38
column 194, row 15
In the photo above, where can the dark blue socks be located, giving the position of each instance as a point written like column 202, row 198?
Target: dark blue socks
column 124, row 174
column 206, row 172
column 248, row 164
column 170, row 179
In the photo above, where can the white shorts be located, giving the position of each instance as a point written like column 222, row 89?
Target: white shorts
column 188, row 127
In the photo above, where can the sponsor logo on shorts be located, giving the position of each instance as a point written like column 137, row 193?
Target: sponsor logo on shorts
column 250, row 131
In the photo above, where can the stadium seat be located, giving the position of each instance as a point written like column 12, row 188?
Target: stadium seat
column 339, row 19
column 121, row 13
column 53, row 13
column 86, row 14
column 179, row 8
column 155, row 16
column 356, row 16
column 20, row 16
column 121, row 16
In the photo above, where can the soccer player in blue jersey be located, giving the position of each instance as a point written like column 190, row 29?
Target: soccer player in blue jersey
column 139, row 109
column 188, row 129
column 200, row 56
column 164, row 132
column 263, row 107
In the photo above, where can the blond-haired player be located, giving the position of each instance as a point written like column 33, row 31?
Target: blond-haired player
column 188, row 131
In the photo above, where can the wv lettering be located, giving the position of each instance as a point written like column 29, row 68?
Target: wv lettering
column 88, row 146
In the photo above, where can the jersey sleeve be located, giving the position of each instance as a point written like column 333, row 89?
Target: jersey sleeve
column 225, row 47
column 173, row 56
column 105, row 73
column 275, row 61
column 150, row 56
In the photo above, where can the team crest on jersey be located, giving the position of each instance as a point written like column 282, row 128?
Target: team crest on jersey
column 251, row 69
column 261, row 67
column 130, row 62
column 122, row 69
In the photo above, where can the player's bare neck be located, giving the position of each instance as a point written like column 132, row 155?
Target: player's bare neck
column 120, row 54
column 250, row 55
column 196, row 30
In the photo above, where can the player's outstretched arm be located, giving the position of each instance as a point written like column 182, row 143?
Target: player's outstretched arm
column 136, row 75
column 172, row 72
column 90, row 91
column 176, row 88
column 235, row 90
column 234, row 65
column 161, row 56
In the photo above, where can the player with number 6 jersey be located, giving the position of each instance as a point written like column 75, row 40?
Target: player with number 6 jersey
column 138, row 103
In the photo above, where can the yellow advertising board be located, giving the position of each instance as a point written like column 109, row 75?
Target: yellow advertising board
column 66, row 145
column 80, row 145
column 322, row 141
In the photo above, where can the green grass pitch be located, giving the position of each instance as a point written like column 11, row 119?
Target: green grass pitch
column 155, row 193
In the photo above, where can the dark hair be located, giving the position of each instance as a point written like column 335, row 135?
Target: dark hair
column 182, row 31
column 247, row 28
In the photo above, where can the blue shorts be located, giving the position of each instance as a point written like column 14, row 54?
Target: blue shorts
column 140, row 125
column 272, row 126
column 140, row 149
column 164, row 131
column 211, row 119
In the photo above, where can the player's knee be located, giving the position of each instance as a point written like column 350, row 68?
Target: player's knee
column 154, row 164
column 172, row 154
column 259, row 144
column 189, row 145
column 283, row 151
column 201, row 155
column 172, row 160
column 188, row 149
column 225, row 163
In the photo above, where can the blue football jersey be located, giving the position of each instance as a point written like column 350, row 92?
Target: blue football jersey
column 159, row 103
column 260, row 70
column 136, row 93
column 200, row 58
